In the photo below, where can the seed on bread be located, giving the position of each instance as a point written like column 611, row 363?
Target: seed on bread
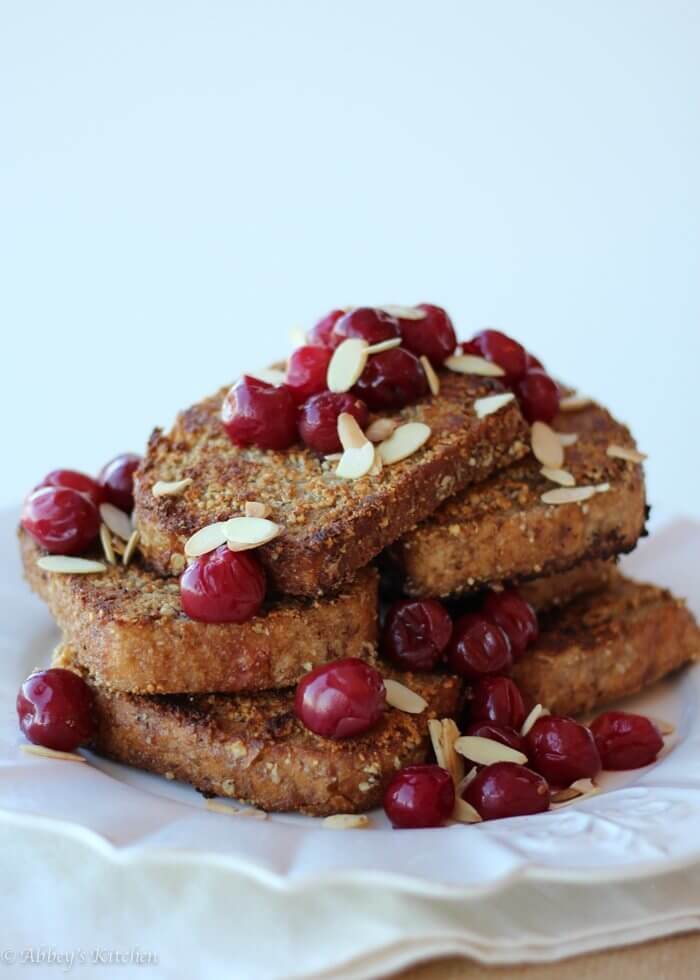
column 70, row 565
column 254, row 508
column 403, row 698
column 131, row 546
column 117, row 521
column 404, row 441
column 486, row 751
column 170, row 488
column 562, row 477
column 473, row 364
column 626, row 453
column 568, row 495
column 431, row 375
column 546, row 446
column 346, row 821
column 245, row 533
column 347, row 364
column 492, row 403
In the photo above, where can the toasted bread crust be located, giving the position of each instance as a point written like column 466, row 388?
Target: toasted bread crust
column 253, row 748
column 129, row 631
column 331, row 527
column 501, row 530
column 563, row 587
column 606, row 646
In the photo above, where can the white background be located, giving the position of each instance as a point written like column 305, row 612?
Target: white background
column 182, row 183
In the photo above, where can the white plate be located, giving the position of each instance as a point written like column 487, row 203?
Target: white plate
column 643, row 822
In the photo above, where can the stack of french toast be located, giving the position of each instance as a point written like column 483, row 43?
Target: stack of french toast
column 345, row 483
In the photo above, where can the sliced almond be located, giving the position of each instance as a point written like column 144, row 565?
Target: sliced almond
column 131, row 546
column 347, row 364
column 577, row 790
column 378, row 464
column 383, row 345
column 333, row 457
column 473, row 364
column 381, row 429
column 443, row 735
column 665, row 727
column 430, row 375
column 254, row 508
column 404, row 442
column 602, row 487
column 572, row 403
column 464, row 812
column 349, row 432
column 69, row 565
column 244, row 533
column 435, row 732
column 626, row 452
column 52, row 753
column 404, row 312
column 107, row 546
column 546, row 446
column 356, row 463
column 562, row 477
column 568, row 495
column 346, row 821
column 565, row 795
column 536, row 713
column 486, row 751
column 233, row 811
column 117, row 521
column 492, row 403
column 403, row 698
column 206, row 539
column 271, row 376
column 465, row 780
column 567, row 438
column 170, row 488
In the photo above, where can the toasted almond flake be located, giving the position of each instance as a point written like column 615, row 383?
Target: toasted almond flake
column 565, row 795
column 349, row 432
column 244, row 533
column 52, row 753
column 403, row 698
column 568, row 495
column 567, row 438
column 665, row 727
column 356, row 463
column 254, row 508
column 562, row 477
column 378, row 464
column 536, row 713
column 69, row 565
column 492, row 403
column 297, row 337
column 572, row 403
column 404, row 442
column 431, row 375
column 346, row 821
column 170, row 488
column 234, row 811
column 333, row 457
column 485, row 751
column 464, row 812
column 602, row 487
column 107, row 546
column 546, row 446
column 454, row 763
column 347, row 364
column 465, row 780
column 627, row 453
column 383, row 345
column 435, row 732
column 472, row 364
column 131, row 546
column 577, row 790
column 117, row 521
column 206, row 539
column 381, row 429
column 272, row 376
column 404, row 312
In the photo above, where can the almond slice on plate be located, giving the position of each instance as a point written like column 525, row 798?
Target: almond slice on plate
column 117, row 521
column 573, row 403
column 346, row 821
column 492, row 403
column 568, row 495
column 577, row 790
column 546, row 446
column 356, row 463
column 244, row 533
column 403, row 312
column 464, row 812
column 70, row 565
column 347, row 364
column 381, row 429
column 562, row 477
column 206, row 539
column 254, row 508
column 473, row 364
column 349, row 432
column 403, row 698
column 404, row 442
column 431, row 375
column 567, row 438
column 627, row 453
column 170, row 488
column 486, row 751
column 52, row 753
column 383, row 345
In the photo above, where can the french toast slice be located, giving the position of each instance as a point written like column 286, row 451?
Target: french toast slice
column 551, row 591
column 606, row 646
column 501, row 530
column 331, row 527
column 130, row 634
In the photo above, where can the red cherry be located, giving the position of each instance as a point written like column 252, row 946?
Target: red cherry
column 419, row 796
column 499, row 733
column 255, row 413
column 478, row 647
column 321, row 334
column 117, row 479
column 341, row 699
column 504, row 351
column 515, row 616
column 318, row 419
column 433, row 335
column 223, row 587
column 416, row 633
column 306, row 371
column 626, row 741
column 562, row 750
column 368, row 324
column 74, row 481
column 55, row 709
column 532, row 362
column 391, row 380
column 538, row 396
column 63, row 521
column 506, row 789
column 497, row 700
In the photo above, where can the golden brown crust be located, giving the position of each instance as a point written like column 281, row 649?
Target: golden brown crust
column 556, row 590
column 331, row 526
column 252, row 748
column 129, row 631
column 501, row 529
column 607, row 646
